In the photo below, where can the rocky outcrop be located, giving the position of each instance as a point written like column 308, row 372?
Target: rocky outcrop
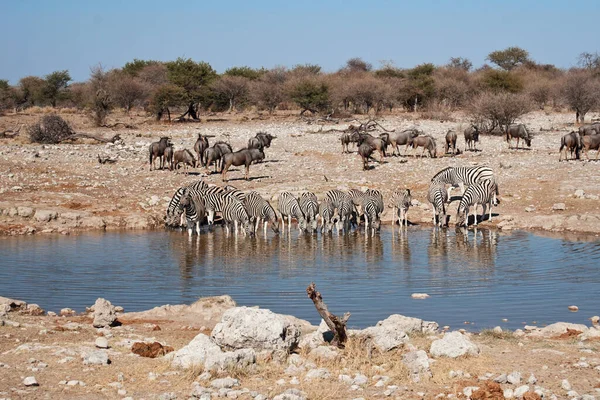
column 259, row 329
column 104, row 313
column 202, row 351
column 452, row 345
column 392, row 332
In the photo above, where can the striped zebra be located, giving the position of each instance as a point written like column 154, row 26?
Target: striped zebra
column 343, row 205
column 327, row 211
column 438, row 197
column 461, row 176
column 192, row 207
column 400, row 202
column 378, row 198
column 357, row 197
column 372, row 212
column 259, row 209
column 233, row 211
column 483, row 193
column 232, row 191
column 310, row 208
column 213, row 201
column 174, row 217
column 288, row 207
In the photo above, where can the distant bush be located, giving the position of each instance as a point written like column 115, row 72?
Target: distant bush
column 581, row 91
column 50, row 129
column 268, row 91
column 501, row 81
column 498, row 110
column 310, row 95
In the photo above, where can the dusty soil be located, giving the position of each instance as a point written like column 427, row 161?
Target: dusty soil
column 50, row 348
column 79, row 193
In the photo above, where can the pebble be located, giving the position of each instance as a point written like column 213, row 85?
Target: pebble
column 595, row 319
column 30, row 381
column 508, row 393
column 532, row 379
column 514, row 378
column 121, row 392
column 521, row 390
column 559, row 206
column 565, row 385
column 101, row 342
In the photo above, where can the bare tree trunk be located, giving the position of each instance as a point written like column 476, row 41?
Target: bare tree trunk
column 336, row 325
column 416, row 102
column 230, row 104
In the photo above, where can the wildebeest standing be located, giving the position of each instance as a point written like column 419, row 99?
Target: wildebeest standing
column 591, row 142
column 376, row 143
column 241, row 157
column 184, row 156
column 427, row 142
column 518, row 131
column 402, row 138
column 169, row 157
column 365, row 151
column 346, row 139
column 157, row 150
column 589, row 129
column 261, row 140
column 471, row 137
column 215, row 154
column 450, row 142
column 571, row 141
column 199, row 147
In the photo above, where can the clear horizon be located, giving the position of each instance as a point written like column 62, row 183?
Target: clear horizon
column 42, row 37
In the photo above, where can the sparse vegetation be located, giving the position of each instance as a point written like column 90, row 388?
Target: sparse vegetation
column 49, row 130
column 498, row 110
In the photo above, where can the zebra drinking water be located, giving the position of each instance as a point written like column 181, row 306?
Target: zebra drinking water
column 327, row 211
column 483, row 193
column 233, row 211
column 400, row 202
column 192, row 206
column 310, row 207
column 288, row 207
column 258, row 210
column 438, row 197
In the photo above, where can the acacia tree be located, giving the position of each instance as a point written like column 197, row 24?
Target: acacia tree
column 125, row 90
column 268, row 91
column 165, row 97
column 581, row 92
column 56, row 85
column 7, row 96
column 509, row 58
column 498, row 109
column 193, row 78
column 31, row 90
column 310, row 94
column 460, row 63
column 232, row 88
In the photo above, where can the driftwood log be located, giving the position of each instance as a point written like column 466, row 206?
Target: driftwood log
column 336, row 324
column 88, row 136
column 9, row 133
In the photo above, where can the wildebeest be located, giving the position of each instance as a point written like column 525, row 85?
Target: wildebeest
column 215, row 154
column 376, row 143
column 589, row 129
column 402, row 138
column 450, row 142
column 168, row 154
column 157, row 150
column 571, row 141
column 199, row 147
column 591, row 142
column 518, row 131
column 471, row 137
column 241, row 157
column 261, row 140
column 183, row 156
column 427, row 142
column 347, row 138
column 365, row 150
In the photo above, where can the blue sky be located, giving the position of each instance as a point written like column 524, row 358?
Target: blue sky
column 38, row 37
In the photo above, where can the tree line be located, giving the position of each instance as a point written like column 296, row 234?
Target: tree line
column 512, row 84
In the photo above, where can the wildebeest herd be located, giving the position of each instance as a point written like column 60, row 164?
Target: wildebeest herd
column 345, row 210
column 586, row 138
column 220, row 154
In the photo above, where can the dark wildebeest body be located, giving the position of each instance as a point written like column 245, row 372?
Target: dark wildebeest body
column 402, row 138
column 591, row 142
column 376, row 143
column 471, row 137
column 518, row 131
column 215, row 154
column 365, row 150
column 451, row 137
column 347, row 138
column 571, row 141
column 183, row 156
column 199, row 147
column 242, row 157
column 157, row 150
column 427, row 143
column 169, row 157
column 589, row 129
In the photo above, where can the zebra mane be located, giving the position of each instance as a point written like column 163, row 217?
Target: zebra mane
column 441, row 172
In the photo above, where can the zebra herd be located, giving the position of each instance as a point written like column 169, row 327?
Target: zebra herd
column 246, row 211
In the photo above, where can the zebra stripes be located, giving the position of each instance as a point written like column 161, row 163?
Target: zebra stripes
column 259, row 209
column 483, row 193
column 343, row 205
column 438, row 197
column 310, row 208
column 372, row 211
column 233, row 211
column 327, row 211
column 400, row 202
column 192, row 207
column 289, row 207
column 461, row 176
column 173, row 218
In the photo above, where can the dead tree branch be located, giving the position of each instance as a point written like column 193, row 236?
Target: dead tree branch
column 336, row 325
column 9, row 133
column 126, row 126
column 113, row 139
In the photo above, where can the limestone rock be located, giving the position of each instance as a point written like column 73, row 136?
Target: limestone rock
column 391, row 333
column 453, row 344
column 317, row 373
column 202, row 351
column 12, row 305
column 559, row 207
column 323, row 353
column 514, row 378
column 99, row 357
column 101, row 343
column 291, row 394
column 30, row 381
column 560, row 328
column 418, row 364
column 25, row 212
column 45, row 215
column 259, row 329
column 104, row 313
column 225, row 383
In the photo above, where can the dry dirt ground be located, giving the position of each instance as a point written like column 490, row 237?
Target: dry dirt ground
column 51, row 348
column 72, row 191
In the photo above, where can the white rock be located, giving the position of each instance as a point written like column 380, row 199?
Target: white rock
column 391, row 333
column 532, row 380
column 579, row 194
column 508, row 393
column 101, row 342
column 324, row 353
column 30, row 381
column 453, row 345
column 226, row 383
column 559, row 328
column 317, row 373
column 521, row 390
column 259, row 329
column 291, row 394
column 565, row 385
column 201, row 351
column 419, row 296
column 98, row 357
column 559, row 206
column 360, row 379
column 104, row 313
column 468, row 391
column 45, row 215
column 497, row 329
column 418, row 364
column 514, row 378
column 573, row 308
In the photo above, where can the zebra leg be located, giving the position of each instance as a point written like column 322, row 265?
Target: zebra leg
column 289, row 223
column 475, row 213
column 198, row 227
column 434, row 215
column 211, row 217
column 235, row 226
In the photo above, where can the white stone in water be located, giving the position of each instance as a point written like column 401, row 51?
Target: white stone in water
column 420, row 296
column 573, row 308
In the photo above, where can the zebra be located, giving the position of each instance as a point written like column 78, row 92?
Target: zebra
column 233, row 210
column 193, row 208
column 372, row 212
column 483, row 193
column 438, row 197
column 459, row 176
column 288, row 207
column 213, row 200
column 346, row 213
column 327, row 211
column 173, row 217
column 400, row 202
column 377, row 198
column 310, row 208
column 260, row 209
column 233, row 191
column 357, row 197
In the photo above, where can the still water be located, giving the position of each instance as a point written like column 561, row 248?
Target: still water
column 478, row 276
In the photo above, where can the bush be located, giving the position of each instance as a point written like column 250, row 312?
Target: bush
column 268, row 91
column 231, row 89
column 581, row 92
column 509, row 58
column 310, row 95
column 501, row 81
column 498, row 110
column 50, row 129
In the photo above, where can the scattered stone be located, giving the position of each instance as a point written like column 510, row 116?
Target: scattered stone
column 468, row 391
column 565, row 385
column 317, row 373
column 67, row 312
column 508, row 393
column 104, row 313
column 150, row 350
column 391, row 333
column 45, row 215
column 579, row 194
column 75, row 383
column 225, row 383
column 560, row 328
column 521, row 390
column 573, row 308
column 418, row 363
column 532, row 380
column 290, row 394
column 453, row 345
column 360, row 379
column 202, row 351
column 501, row 379
column 25, row 212
column 514, row 378
column 595, row 319
column 101, row 342
column 30, row 381
column 99, row 357
column 559, row 207
column 530, row 209
column 294, row 381
column 497, row 329
column 419, row 296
